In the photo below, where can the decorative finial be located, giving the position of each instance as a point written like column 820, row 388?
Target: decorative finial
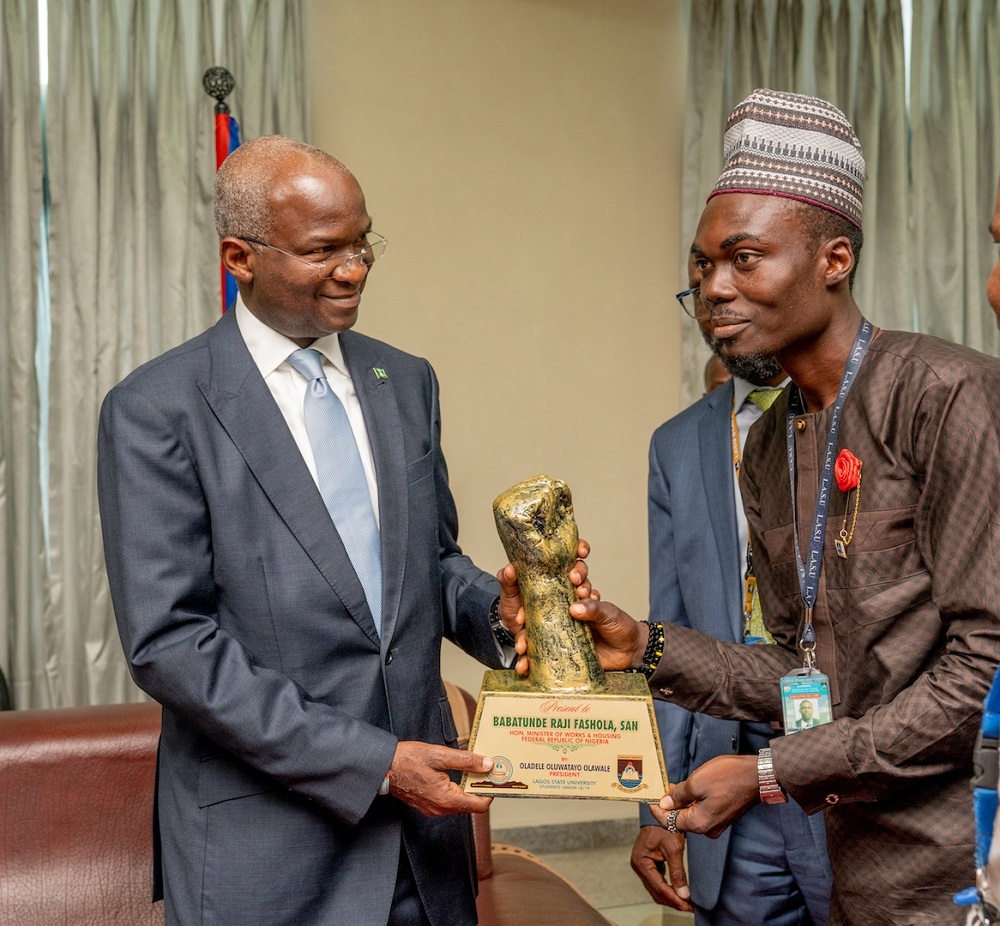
column 218, row 83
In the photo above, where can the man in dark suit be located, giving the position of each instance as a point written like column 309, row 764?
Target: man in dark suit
column 770, row 867
column 304, row 762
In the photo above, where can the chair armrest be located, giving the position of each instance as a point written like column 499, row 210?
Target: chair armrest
column 76, row 826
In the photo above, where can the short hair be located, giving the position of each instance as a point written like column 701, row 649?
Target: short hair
column 822, row 225
column 245, row 179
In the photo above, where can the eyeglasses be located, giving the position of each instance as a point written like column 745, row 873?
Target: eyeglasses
column 692, row 304
column 324, row 269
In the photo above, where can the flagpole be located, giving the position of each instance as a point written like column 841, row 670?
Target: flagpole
column 218, row 84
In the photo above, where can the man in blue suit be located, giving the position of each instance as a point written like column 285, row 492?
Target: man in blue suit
column 771, row 866
column 303, row 773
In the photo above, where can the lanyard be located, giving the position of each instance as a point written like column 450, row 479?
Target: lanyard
column 749, row 579
column 749, row 576
column 735, row 435
column 809, row 571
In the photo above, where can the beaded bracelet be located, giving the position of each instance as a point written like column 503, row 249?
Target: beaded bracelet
column 654, row 650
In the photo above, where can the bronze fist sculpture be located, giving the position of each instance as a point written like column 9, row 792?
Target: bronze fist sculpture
column 536, row 525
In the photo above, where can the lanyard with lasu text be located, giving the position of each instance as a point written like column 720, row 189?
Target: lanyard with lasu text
column 749, row 576
column 809, row 571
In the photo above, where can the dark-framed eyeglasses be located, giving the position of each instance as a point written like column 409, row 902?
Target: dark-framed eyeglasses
column 324, row 269
column 692, row 303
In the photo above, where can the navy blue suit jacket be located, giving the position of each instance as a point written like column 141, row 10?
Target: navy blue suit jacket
column 240, row 613
column 695, row 581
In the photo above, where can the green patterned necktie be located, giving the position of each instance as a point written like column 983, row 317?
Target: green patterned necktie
column 755, row 629
column 764, row 398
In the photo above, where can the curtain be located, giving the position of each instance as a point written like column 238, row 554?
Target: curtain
column 955, row 105
column 133, row 270
column 850, row 52
column 22, row 550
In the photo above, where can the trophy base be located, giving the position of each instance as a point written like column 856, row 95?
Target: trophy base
column 595, row 744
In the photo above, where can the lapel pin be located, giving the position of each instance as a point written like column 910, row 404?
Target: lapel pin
column 380, row 375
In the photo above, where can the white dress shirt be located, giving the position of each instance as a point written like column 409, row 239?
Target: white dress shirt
column 270, row 352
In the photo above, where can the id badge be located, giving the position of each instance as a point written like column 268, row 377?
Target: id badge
column 805, row 700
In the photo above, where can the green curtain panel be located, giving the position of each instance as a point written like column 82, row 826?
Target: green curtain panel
column 849, row 52
column 22, row 549
column 955, row 111
column 132, row 271
column 932, row 146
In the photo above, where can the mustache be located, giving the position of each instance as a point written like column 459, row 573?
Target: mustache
column 725, row 315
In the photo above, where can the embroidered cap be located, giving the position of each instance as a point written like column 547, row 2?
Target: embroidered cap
column 801, row 147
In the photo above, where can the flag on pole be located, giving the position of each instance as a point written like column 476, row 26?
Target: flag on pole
column 227, row 140
column 219, row 83
column 227, row 137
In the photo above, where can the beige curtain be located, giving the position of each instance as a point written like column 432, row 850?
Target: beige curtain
column 955, row 105
column 849, row 52
column 22, row 549
column 133, row 271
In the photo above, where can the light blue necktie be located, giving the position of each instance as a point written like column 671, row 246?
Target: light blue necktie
column 341, row 476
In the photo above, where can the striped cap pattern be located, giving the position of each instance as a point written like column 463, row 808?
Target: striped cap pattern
column 801, row 147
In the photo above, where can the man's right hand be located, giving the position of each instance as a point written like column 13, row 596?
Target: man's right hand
column 619, row 639
column 712, row 797
column 658, row 860
column 419, row 777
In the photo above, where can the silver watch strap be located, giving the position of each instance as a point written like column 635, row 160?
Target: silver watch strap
column 770, row 791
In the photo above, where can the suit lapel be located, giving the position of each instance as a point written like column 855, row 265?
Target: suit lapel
column 714, row 445
column 247, row 411
column 376, row 389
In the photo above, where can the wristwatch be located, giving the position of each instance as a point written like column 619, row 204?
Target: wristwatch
column 770, row 791
column 504, row 636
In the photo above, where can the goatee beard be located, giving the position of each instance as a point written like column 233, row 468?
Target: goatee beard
column 754, row 368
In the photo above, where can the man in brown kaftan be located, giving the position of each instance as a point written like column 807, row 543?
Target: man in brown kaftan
column 907, row 613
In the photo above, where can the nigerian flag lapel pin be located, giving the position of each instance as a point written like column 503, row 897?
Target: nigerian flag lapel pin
column 380, row 376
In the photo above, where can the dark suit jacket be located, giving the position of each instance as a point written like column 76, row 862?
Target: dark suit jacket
column 695, row 581
column 240, row 613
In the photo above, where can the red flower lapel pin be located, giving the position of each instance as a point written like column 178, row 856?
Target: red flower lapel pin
column 847, row 469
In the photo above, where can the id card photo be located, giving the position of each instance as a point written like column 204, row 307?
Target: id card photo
column 805, row 701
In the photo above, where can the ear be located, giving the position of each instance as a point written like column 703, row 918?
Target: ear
column 838, row 261
column 238, row 258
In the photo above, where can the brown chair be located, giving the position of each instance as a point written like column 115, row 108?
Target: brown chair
column 76, row 797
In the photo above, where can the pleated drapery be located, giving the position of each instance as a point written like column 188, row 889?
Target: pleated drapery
column 22, row 552
column 849, row 52
column 955, row 111
column 133, row 270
